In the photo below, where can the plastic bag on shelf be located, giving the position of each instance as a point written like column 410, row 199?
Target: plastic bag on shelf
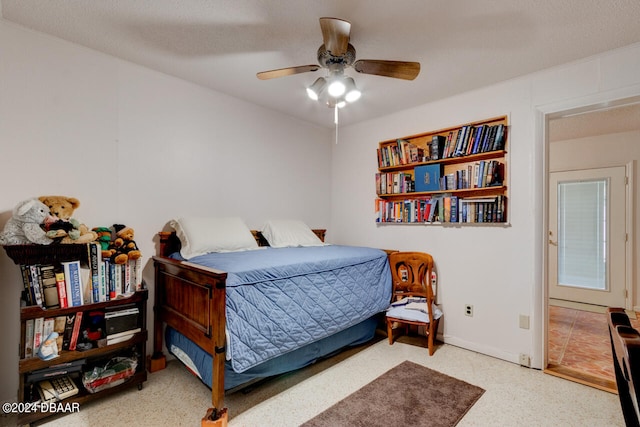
column 115, row 372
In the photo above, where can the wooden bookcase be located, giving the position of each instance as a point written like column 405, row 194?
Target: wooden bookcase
column 96, row 356
column 414, row 185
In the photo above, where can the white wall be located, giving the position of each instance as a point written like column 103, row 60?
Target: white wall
column 138, row 147
column 76, row 122
column 496, row 268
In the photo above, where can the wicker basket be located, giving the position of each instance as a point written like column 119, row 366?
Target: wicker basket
column 47, row 254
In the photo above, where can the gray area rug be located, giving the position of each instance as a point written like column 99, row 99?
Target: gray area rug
column 407, row 395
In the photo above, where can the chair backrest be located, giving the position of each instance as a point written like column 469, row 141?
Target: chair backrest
column 411, row 274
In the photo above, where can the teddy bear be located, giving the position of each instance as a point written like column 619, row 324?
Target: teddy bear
column 63, row 207
column 24, row 225
column 124, row 246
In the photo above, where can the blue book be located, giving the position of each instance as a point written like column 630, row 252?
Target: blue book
column 427, row 177
column 74, row 282
column 95, row 260
column 454, row 209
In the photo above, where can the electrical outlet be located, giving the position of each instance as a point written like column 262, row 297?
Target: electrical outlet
column 468, row 310
column 524, row 360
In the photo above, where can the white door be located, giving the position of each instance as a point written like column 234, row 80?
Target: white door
column 587, row 236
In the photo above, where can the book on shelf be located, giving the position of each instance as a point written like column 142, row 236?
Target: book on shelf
column 47, row 327
column 38, row 326
column 498, row 143
column 29, row 296
column 454, row 209
column 77, row 324
column 69, row 322
column 135, row 265
column 104, row 292
column 427, row 177
column 85, row 280
column 61, row 287
column 95, row 261
column 35, row 284
column 58, row 327
column 484, row 209
column 433, row 209
column 437, row 146
column 447, row 209
column 47, row 277
column 28, row 338
column 73, row 280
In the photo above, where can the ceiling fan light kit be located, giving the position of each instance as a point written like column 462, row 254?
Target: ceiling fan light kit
column 335, row 55
column 315, row 90
column 352, row 93
column 336, row 88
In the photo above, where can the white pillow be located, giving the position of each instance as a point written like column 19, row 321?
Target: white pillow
column 200, row 235
column 289, row 233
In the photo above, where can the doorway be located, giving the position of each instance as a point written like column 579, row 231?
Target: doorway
column 591, row 247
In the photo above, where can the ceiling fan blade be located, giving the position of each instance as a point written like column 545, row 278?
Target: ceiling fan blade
column 289, row 71
column 396, row 69
column 335, row 33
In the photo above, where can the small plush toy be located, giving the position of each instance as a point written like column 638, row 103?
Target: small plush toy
column 104, row 238
column 24, row 225
column 63, row 207
column 124, row 245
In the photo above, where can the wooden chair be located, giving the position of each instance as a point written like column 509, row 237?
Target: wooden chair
column 625, row 345
column 411, row 273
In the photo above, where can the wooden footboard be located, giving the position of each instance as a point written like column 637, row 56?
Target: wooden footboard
column 191, row 299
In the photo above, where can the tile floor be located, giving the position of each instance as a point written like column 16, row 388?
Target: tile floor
column 579, row 340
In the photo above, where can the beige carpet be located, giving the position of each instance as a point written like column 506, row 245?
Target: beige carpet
column 515, row 396
column 407, row 395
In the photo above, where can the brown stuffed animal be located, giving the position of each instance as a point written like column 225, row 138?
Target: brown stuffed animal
column 124, row 245
column 63, row 207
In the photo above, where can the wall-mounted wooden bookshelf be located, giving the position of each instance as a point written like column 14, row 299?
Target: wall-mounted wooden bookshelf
column 456, row 175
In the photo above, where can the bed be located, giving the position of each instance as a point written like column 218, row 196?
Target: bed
column 234, row 317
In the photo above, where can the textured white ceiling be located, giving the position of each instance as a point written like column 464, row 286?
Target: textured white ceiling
column 222, row 44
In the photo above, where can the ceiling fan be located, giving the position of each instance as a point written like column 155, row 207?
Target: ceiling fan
column 335, row 55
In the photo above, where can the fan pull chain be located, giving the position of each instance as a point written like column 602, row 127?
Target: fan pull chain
column 335, row 120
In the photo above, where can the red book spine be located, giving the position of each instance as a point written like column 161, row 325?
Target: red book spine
column 76, row 331
column 62, row 290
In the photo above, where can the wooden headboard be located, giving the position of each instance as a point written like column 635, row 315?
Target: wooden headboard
column 169, row 242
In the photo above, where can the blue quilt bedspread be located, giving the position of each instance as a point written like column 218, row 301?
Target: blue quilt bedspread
column 281, row 299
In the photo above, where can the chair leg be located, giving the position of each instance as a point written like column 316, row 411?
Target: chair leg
column 433, row 330
column 390, row 331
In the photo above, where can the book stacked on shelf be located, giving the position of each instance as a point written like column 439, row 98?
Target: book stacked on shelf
column 78, row 282
column 401, row 153
column 394, row 183
column 465, row 141
column 38, row 331
column 470, row 140
column 445, row 208
column 480, row 174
